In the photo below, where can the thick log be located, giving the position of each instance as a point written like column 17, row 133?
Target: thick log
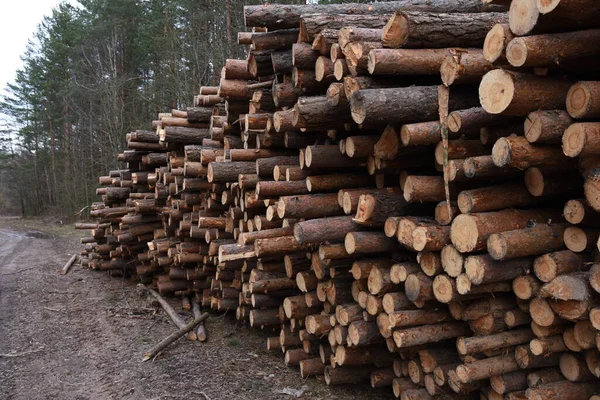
column 583, row 99
column 551, row 265
column 516, row 93
column 546, row 126
column 280, row 16
column 368, row 242
column 480, row 344
column 324, row 229
column 470, row 232
column 527, row 17
column 404, row 105
column 550, row 49
column 317, row 113
column 496, row 197
column 563, row 390
column 309, row 206
column 406, row 61
column 429, row 334
column 229, row 171
column 464, row 67
column 581, row 139
column 494, row 46
column 484, row 269
column 420, row 29
column 516, row 151
column 539, row 239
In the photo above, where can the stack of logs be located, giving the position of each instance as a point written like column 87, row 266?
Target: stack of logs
column 383, row 187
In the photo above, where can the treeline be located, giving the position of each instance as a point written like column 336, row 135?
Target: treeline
column 94, row 71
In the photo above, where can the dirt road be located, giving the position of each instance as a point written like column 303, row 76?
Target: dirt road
column 82, row 336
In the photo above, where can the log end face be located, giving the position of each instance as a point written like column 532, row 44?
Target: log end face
column 497, row 246
column 350, row 243
column 419, row 238
column 501, row 153
column 575, row 239
column 534, row 181
column 578, row 100
column 546, row 6
column 395, row 31
column 516, row 52
column 522, row 16
column 493, row 46
column 358, row 107
column 591, row 189
column 573, row 140
column 574, row 211
column 443, row 289
column 496, row 91
column 449, row 70
column 464, row 234
column 465, row 202
column 474, row 269
column 545, row 268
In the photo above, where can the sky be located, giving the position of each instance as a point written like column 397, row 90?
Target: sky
column 19, row 22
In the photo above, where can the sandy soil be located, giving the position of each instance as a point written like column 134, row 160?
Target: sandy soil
column 82, row 336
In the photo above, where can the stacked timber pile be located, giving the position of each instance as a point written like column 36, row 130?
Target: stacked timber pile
column 383, row 187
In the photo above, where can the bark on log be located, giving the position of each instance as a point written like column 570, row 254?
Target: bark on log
column 404, row 105
column 419, row 29
column 517, row 93
column 280, row 16
column 470, row 232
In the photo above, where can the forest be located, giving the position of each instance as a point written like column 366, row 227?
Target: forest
column 96, row 69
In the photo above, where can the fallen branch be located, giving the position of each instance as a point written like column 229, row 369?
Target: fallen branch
column 24, row 353
column 175, row 317
column 173, row 337
column 67, row 267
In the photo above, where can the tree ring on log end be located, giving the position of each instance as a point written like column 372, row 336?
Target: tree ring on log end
column 464, row 233
column 496, row 91
column 523, row 16
column 516, row 52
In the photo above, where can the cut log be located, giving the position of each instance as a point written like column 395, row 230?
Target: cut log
column 494, row 46
column 434, row 30
column 516, row 93
column 470, row 232
column 550, row 49
column 406, row 61
column 404, row 105
column 517, row 152
column 539, row 239
column 546, row 126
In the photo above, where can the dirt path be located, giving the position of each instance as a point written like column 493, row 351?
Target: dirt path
column 81, row 336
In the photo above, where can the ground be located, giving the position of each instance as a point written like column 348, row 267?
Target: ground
column 82, row 336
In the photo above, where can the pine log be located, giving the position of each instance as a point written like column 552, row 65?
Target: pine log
column 470, row 232
column 484, row 269
column 494, row 46
column 324, row 229
column 515, row 93
column 546, row 126
column 581, row 139
column 420, row 29
column 516, row 151
column 404, row 105
column 496, row 197
column 549, row 49
column 406, row 61
column 464, row 67
column 539, row 239
column 429, row 334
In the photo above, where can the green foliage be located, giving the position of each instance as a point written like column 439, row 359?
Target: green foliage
column 95, row 71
